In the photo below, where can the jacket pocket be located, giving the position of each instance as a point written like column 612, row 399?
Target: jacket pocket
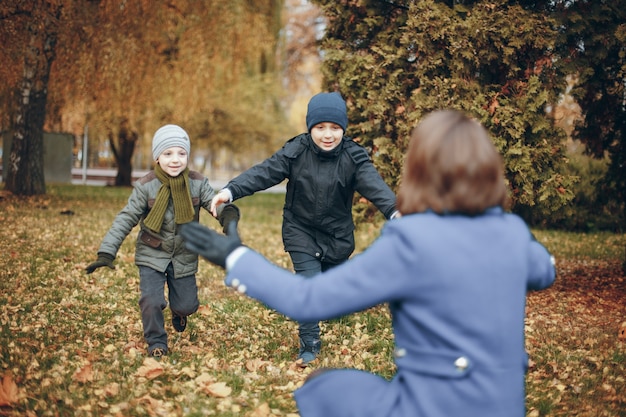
column 149, row 239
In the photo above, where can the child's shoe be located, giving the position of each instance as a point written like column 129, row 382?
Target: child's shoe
column 308, row 351
column 179, row 323
column 157, row 352
column 306, row 356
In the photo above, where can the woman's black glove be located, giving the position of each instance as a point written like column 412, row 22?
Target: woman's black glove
column 104, row 259
column 228, row 213
column 208, row 243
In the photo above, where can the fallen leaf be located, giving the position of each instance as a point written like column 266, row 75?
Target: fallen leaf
column 217, row 389
column 112, row 389
column 261, row 411
column 205, row 310
column 154, row 407
column 204, row 379
column 150, row 369
column 188, row 371
column 84, row 374
column 254, row 365
column 8, row 391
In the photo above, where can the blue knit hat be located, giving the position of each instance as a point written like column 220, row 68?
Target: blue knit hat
column 327, row 107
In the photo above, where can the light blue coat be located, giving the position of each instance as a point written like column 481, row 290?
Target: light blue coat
column 456, row 287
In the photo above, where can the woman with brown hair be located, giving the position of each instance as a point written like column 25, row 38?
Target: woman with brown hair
column 454, row 270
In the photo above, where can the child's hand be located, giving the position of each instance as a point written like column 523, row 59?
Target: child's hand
column 211, row 245
column 221, row 198
column 104, row 259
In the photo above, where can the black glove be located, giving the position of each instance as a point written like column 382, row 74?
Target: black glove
column 104, row 259
column 210, row 244
column 230, row 213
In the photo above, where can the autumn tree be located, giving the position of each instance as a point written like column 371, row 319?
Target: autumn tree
column 591, row 47
column 395, row 61
column 32, row 28
column 208, row 66
column 192, row 63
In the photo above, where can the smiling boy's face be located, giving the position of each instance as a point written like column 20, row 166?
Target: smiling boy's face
column 327, row 135
column 173, row 160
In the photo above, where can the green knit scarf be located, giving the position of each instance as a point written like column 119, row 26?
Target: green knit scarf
column 178, row 188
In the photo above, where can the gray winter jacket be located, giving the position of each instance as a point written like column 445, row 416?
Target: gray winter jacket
column 157, row 250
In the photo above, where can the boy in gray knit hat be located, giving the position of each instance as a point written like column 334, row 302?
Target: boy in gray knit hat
column 161, row 201
column 324, row 169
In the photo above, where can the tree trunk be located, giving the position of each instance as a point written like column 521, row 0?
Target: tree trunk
column 25, row 171
column 123, row 153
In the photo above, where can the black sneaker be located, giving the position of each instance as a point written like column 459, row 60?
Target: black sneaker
column 179, row 323
column 157, row 352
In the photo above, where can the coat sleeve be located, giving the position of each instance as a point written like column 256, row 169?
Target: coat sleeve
column 125, row 221
column 353, row 286
column 370, row 184
column 266, row 174
column 542, row 270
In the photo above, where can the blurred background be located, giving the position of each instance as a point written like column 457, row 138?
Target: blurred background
column 85, row 83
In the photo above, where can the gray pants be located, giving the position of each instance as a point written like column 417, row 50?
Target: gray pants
column 183, row 301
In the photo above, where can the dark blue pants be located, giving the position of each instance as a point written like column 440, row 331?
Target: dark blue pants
column 308, row 266
column 182, row 296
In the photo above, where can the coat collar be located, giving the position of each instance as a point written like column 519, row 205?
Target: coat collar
column 322, row 154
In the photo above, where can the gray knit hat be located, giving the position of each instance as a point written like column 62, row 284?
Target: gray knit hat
column 327, row 107
column 167, row 137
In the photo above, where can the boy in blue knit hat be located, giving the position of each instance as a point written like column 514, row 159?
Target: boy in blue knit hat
column 324, row 169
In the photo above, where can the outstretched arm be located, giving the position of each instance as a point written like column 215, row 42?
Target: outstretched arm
column 352, row 286
column 209, row 244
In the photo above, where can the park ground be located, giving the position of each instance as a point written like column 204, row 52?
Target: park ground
column 71, row 344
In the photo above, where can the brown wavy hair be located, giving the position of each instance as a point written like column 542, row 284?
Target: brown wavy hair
column 451, row 166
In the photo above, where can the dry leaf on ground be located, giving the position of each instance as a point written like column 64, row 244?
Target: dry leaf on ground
column 84, row 374
column 217, row 389
column 150, row 369
column 261, row 411
column 254, row 365
column 9, row 392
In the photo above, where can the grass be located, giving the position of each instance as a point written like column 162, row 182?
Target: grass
column 72, row 344
column 599, row 245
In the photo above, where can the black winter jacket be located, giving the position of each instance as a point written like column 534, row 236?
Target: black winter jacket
column 317, row 215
